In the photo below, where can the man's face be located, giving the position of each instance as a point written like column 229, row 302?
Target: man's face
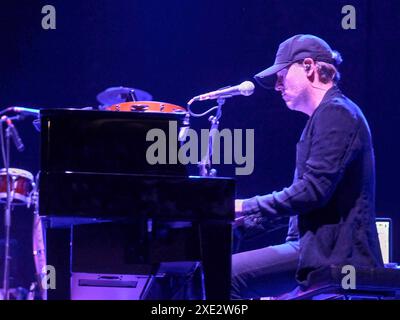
column 292, row 83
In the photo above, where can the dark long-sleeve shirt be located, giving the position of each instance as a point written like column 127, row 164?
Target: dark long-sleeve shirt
column 331, row 200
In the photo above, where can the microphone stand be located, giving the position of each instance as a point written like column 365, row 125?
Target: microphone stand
column 7, row 210
column 205, row 169
column 7, row 216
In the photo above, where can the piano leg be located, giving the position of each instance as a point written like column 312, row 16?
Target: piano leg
column 216, row 251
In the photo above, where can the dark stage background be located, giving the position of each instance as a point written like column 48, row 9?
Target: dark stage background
column 177, row 49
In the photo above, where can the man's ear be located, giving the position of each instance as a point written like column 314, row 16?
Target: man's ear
column 309, row 66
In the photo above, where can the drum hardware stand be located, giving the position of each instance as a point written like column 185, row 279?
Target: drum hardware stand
column 131, row 96
column 39, row 244
column 7, row 213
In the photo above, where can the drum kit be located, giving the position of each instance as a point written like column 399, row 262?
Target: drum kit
column 18, row 186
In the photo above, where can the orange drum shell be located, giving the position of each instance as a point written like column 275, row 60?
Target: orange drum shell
column 21, row 186
column 146, row 106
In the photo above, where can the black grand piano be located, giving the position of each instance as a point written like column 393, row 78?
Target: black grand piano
column 107, row 210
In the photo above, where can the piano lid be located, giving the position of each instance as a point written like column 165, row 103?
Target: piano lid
column 107, row 142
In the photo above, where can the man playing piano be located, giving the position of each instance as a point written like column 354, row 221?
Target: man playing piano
column 331, row 200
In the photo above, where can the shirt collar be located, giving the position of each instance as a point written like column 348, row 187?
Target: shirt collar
column 333, row 92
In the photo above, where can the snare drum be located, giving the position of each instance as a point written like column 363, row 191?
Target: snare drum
column 22, row 185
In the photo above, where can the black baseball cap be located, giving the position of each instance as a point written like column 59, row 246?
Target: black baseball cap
column 294, row 49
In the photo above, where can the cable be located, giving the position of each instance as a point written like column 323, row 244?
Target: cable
column 149, row 281
column 185, row 281
column 198, row 115
column 6, row 110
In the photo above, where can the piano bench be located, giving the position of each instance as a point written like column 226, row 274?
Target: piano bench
column 370, row 284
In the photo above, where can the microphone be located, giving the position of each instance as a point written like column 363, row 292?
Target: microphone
column 26, row 111
column 14, row 134
column 246, row 88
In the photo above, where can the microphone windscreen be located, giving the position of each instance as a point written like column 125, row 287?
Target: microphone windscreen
column 246, row 88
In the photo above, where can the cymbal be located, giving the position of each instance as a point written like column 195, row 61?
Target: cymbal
column 115, row 95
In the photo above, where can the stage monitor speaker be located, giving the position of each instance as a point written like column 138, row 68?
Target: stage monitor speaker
column 90, row 286
column 172, row 281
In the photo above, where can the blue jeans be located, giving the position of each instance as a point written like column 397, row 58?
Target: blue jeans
column 265, row 272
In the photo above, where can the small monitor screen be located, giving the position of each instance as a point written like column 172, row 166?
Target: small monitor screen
column 383, row 227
